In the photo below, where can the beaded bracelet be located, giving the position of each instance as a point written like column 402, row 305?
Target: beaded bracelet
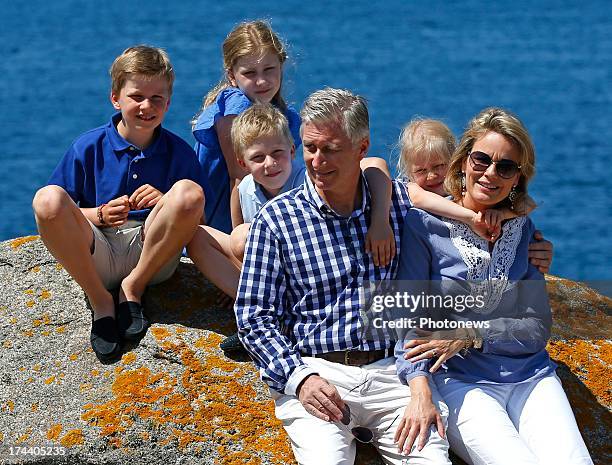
column 100, row 216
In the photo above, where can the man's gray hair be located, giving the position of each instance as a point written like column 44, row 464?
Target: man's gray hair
column 338, row 106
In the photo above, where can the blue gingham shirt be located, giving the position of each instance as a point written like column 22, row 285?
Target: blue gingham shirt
column 301, row 281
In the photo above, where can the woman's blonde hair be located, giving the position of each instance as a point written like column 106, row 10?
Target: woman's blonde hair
column 506, row 124
column 426, row 137
column 248, row 38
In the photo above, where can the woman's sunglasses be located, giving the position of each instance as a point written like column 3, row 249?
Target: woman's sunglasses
column 506, row 169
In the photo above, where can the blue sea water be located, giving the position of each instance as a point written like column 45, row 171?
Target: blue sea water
column 548, row 61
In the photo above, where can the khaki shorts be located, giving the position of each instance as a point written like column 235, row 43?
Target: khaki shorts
column 116, row 252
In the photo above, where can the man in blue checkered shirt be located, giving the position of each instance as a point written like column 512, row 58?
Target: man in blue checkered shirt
column 298, row 304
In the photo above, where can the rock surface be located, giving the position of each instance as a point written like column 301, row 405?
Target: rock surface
column 174, row 398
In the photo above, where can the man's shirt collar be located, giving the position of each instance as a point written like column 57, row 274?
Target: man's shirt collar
column 311, row 194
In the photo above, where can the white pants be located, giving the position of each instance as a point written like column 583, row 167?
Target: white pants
column 378, row 404
column 507, row 424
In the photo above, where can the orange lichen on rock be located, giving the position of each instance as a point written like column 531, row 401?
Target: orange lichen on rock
column 45, row 294
column 60, row 329
column 22, row 240
column 208, row 402
column 73, row 357
column 54, row 432
column 10, row 405
column 30, row 303
column 29, row 292
column 114, row 442
column 160, row 333
column 7, row 344
column 34, row 407
column 35, row 269
column 50, row 379
column 590, row 361
column 74, row 437
column 24, row 437
column 128, row 358
column 58, row 266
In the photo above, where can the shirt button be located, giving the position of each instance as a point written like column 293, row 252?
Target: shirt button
column 134, row 176
column 132, row 148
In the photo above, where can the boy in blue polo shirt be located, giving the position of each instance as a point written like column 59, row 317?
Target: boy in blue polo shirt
column 124, row 200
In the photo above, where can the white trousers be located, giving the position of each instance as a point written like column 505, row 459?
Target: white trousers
column 378, row 404
column 508, row 424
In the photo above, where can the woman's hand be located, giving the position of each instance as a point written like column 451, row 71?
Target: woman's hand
column 380, row 242
column 418, row 416
column 442, row 349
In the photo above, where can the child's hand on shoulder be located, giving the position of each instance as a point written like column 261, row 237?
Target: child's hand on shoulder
column 487, row 224
column 146, row 196
column 116, row 211
column 380, row 243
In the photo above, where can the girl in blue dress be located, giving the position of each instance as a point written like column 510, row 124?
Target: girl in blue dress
column 253, row 58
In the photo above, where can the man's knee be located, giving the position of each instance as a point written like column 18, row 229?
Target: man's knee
column 187, row 197
column 49, row 202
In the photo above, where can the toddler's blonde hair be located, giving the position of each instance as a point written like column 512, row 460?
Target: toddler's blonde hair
column 424, row 137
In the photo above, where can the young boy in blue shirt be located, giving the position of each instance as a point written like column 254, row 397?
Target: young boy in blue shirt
column 124, row 200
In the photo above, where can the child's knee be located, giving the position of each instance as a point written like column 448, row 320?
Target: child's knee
column 188, row 197
column 198, row 242
column 238, row 240
column 49, row 201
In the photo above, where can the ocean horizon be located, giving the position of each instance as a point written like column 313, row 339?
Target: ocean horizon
column 550, row 63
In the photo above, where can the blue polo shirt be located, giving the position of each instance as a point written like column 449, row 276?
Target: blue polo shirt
column 100, row 165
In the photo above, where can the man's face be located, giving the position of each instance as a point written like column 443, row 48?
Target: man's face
column 331, row 158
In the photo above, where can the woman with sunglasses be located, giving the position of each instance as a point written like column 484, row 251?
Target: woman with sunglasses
column 506, row 404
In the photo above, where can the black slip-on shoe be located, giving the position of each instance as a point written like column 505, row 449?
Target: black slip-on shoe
column 132, row 322
column 232, row 344
column 104, row 338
